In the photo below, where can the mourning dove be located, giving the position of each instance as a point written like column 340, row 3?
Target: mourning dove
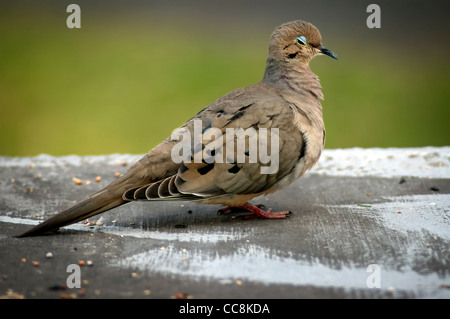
column 281, row 113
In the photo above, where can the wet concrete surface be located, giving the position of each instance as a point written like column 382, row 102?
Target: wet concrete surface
column 360, row 218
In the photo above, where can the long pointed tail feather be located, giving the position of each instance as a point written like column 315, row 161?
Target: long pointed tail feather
column 93, row 205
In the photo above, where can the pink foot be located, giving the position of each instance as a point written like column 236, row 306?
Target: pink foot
column 256, row 212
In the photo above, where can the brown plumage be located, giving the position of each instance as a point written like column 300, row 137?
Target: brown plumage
column 287, row 99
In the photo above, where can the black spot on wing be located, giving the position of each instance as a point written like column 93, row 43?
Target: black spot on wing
column 245, row 107
column 211, row 153
column 182, row 169
column 236, row 116
column 234, row 169
column 205, row 169
column 239, row 112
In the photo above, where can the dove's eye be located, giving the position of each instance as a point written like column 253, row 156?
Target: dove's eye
column 301, row 40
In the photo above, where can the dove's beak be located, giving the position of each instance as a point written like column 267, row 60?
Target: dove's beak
column 325, row 51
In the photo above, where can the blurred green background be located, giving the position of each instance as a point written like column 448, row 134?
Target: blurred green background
column 138, row 69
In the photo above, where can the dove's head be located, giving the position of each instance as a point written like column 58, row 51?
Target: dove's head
column 297, row 41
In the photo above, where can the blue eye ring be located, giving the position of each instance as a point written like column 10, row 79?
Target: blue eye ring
column 301, row 40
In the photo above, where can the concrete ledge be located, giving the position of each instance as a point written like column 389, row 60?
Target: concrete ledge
column 357, row 207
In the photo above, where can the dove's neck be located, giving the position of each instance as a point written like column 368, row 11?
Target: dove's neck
column 296, row 77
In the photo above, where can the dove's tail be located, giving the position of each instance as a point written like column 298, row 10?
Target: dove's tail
column 93, row 205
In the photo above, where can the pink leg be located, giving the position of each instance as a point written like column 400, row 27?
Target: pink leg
column 256, row 212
